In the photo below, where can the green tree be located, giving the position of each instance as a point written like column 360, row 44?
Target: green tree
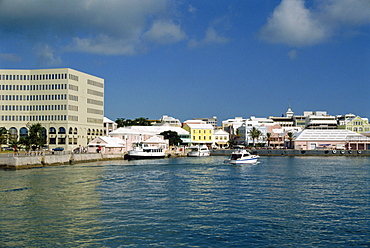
column 141, row 121
column 255, row 133
column 173, row 137
column 3, row 137
column 268, row 138
column 15, row 144
column 35, row 138
column 120, row 122
column 290, row 138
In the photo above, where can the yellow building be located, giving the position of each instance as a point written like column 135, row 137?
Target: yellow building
column 354, row 123
column 69, row 104
column 200, row 134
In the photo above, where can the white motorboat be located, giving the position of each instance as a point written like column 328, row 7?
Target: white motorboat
column 199, row 151
column 242, row 156
column 144, row 151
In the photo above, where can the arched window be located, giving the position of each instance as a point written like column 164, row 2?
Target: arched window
column 75, row 132
column 93, row 132
column 44, row 134
column 13, row 133
column 52, row 130
column 88, row 131
column 23, row 132
column 70, row 130
column 62, row 130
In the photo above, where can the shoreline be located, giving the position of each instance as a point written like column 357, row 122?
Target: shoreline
column 38, row 161
column 292, row 152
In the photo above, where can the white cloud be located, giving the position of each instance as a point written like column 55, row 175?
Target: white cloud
column 165, row 32
column 46, row 56
column 291, row 23
column 105, row 45
column 347, row 12
column 295, row 25
column 93, row 26
column 211, row 37
column 10, row 57
column 192, row 9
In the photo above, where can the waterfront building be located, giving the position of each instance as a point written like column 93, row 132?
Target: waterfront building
column 277, row 136
column 244, row 137
column 221, row 138
column 109, row 126
column 231, row 125
column 320, row 120
column 212, row 121
column 353, row 123
column 106, row 145
column 69, row 104
column 200, row 134
column 299, row 121
column 286, row 120
column 312, row 139
column 138, row 134
column 254, row 121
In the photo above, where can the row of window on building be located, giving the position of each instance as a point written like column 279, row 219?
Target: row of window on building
column 33, row 107
column 52, row 130
column 35, row 87
column 33, row 117
column 358, row 129
column 200, row 131
column 34, row 97
column 38, row 77
column 200, row 138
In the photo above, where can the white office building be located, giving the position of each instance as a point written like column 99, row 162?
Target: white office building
column 69, row 104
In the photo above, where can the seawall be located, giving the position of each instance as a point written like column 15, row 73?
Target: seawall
column 38, row 160
column 25, row 162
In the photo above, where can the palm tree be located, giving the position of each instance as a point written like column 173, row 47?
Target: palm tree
column 255, row 133
column 3, row 137
column 290, row 138
column 268, row 138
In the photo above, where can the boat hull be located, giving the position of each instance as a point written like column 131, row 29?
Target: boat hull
column 244, row 161
column 132, row 157
column 203, row 154
column 144, row 155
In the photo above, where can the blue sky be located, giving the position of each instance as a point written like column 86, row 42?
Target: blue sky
column 196, row 59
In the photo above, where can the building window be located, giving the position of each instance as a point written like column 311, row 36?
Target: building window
column 52, row 130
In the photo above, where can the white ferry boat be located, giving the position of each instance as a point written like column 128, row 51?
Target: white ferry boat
column 242, row 156
column 144, row 151
column 199, row 151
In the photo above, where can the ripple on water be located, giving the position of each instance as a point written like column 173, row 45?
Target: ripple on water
column 190, row 202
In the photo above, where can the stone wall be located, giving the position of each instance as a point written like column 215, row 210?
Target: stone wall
column 23, row 162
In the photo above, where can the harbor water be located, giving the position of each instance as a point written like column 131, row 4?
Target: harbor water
column 189, row 202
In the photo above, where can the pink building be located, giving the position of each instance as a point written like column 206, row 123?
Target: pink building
column 312, row 139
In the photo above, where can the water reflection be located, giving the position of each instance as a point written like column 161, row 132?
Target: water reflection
column 50, row 206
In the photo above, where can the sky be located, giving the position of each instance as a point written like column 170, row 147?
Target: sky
column 198, row 59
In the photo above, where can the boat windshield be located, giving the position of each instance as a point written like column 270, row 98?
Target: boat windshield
column 235, row 156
